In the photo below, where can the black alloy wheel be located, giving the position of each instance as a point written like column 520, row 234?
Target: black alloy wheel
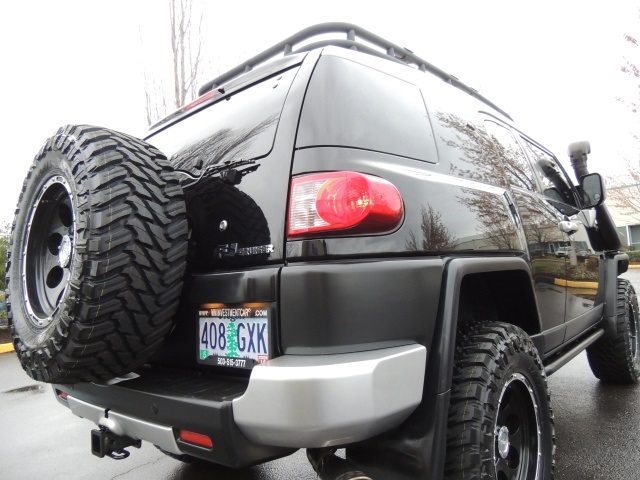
column 97, row 256
column 500, row 423
column 46, row 266
column 517, row 431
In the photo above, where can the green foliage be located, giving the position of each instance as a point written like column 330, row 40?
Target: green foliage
column 4, row 245
column 3, row 308
column 634, row 255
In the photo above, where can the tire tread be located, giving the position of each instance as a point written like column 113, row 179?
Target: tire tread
column 482, row 350
column 131, row 246
column 610, row 359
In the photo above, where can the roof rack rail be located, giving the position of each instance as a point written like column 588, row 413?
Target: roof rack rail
column 393, row 52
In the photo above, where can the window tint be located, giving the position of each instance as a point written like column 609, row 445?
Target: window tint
column 517, row 168
column 465, row 148
column 555, row 184
column 240, row 127
column 352, row 105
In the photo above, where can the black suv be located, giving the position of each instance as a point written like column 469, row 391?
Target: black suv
column 336, row 245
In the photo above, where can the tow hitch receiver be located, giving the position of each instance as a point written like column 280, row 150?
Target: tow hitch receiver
column 104, row 442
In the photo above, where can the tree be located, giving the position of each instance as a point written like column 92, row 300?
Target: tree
column 435, row 235
column 185, row 22
column 493, row 162
column 4, row 246
column 631, row 69
column 626, row 192
column 187, row 52
column 232, row 339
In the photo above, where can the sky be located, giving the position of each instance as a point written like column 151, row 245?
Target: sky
column 554, row 66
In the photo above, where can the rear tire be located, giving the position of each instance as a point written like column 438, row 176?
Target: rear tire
column 500, row 420
column 617, row 359
column 97, row 256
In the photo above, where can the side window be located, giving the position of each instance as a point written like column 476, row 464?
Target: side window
column 229, row 130
column 352, row 105
column 465, row 148
column 556, row 186
column 516, row 166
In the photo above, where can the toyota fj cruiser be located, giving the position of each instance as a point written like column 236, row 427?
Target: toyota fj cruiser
column 336, row 245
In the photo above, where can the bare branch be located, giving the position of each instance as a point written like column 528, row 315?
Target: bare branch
column 624, row 191
column 186, row 42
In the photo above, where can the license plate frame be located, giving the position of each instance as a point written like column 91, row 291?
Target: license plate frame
column 234, row 336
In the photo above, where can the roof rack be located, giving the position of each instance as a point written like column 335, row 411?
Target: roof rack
column 393, row 52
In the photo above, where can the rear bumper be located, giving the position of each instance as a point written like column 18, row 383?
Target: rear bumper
column 327, row 400
column 290, row 402
column 125, row 425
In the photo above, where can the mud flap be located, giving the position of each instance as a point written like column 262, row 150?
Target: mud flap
column 415, row 450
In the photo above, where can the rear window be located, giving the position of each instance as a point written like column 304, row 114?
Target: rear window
column 352, row 105
column 241, row 126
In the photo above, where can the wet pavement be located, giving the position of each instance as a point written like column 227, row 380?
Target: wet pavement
column 596, row 428
column 42, row 440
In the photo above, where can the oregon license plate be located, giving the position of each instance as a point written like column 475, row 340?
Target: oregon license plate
column 233, row 336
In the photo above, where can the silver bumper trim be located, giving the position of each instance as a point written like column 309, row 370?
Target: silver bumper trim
column 325, row 400
column 121, row 424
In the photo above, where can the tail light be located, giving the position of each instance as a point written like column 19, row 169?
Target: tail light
column 62, row 394
column 343, row 202
column 201, row 99
column 196, row 439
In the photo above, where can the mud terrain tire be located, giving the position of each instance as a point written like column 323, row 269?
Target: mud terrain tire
column 500, row 422
column 97, row 256
column 617, row 359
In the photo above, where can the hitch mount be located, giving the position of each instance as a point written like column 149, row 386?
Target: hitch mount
column 106, row 443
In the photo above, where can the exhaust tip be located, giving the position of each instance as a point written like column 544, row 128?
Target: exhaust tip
column 328, row 466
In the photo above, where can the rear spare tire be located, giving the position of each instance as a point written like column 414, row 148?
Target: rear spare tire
column 97, row 256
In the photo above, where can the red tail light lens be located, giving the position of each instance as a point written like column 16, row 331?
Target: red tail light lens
column 196, row 439
column 200, row 100
column 343, row 201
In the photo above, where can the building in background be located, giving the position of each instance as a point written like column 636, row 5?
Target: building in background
column 622, row 205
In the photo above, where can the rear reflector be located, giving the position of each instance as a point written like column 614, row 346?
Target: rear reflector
column 343, row 202
column 63, row 395
column 196, row 439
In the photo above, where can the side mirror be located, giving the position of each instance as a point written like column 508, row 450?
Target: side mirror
column 592, row 189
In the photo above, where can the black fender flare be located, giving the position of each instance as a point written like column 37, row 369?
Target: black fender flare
column 417, row 448
column 456, row 269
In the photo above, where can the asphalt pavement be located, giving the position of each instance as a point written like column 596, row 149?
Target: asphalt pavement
column 596, row 429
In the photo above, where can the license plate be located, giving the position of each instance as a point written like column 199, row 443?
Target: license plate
column 233, row 336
